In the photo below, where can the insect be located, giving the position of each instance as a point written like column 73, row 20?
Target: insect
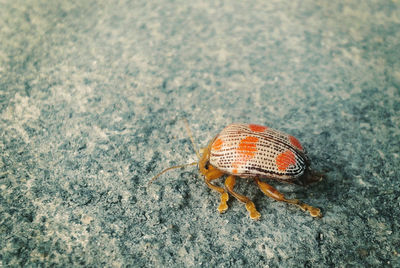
column 254, row 152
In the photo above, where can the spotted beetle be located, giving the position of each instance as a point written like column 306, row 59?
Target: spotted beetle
column 254, row 152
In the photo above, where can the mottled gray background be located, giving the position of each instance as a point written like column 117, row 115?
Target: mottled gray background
column 92, row 99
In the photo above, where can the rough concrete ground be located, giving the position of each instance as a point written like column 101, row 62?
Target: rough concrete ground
column 92, row 99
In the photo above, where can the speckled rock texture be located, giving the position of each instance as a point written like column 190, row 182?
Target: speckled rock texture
column 93, row 96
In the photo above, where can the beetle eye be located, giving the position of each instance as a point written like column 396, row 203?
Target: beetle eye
column 207, row 164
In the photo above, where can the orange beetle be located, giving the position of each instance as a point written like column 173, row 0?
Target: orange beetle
column 254, row 152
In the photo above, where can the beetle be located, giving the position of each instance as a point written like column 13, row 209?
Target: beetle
column 254, row 152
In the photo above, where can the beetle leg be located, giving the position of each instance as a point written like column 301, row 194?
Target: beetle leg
column 213, row 174
column 251, row 208
column 275, row 194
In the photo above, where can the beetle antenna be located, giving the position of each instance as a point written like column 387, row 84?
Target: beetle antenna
column 191, row 137
column 167, row 169
column 184, row 165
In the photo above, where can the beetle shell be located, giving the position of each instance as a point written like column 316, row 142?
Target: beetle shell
column 250, row 151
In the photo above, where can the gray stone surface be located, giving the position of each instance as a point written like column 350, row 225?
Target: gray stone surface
column 92, row 99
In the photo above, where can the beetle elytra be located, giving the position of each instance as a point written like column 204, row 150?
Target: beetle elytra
column 254, row 152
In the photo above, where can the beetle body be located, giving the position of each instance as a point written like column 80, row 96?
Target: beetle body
column 254, row 152
column 249, row 151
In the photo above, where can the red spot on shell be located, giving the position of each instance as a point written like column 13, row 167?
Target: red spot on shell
column 248, row 147
column 217, row 145
column 295, row 142
column 285, row 159
column 257, row 128
column 246, row 150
